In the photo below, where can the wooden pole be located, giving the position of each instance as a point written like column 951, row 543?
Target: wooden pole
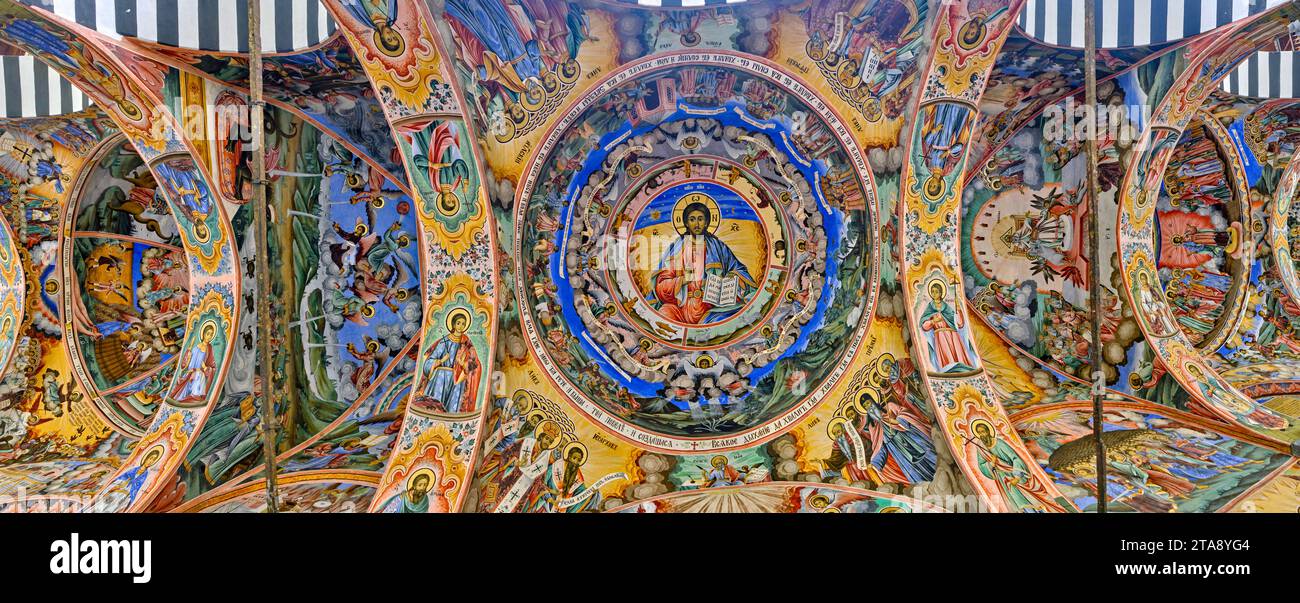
column 1094, row 245
column 257, row 110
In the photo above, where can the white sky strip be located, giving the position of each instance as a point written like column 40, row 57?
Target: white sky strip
column 106, row 19
column 146, row 20
column 66, row 9
column 268, row 22
column 1141, row 22
column 1263, row 71
column 1110, row 27
column 322, row 20
column 1174, row 20
column 187, row 12
column 1032, row 18
column 1076, row 20
column 1049, row 16
column 228, row 34
column 300, row 16
column 1209, row 14
column 55, row 92
column 1286, row 71
column 27, row 74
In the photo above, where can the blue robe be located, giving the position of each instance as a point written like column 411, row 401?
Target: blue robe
column 399, row 503
column 912, row 451
column 195, row 383
column 439, row 368
column 495, row 30
column 136, row 478
column 362, row 9
column 51, row 171
column 719, row 260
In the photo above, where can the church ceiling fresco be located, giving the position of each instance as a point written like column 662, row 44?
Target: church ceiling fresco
column 531, row 256
column 323, row 85
column 784, row 254
column 127, row 306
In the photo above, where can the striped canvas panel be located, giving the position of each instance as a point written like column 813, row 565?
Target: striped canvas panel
column 32, row 89
column 214, row 25
column 1127, row 23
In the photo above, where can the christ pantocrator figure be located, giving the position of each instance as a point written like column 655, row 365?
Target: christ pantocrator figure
column 697, row 262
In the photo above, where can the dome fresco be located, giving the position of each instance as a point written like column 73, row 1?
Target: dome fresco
column 782, row 241
column 526, row 256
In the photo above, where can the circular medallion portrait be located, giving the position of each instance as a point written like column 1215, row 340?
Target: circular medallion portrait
column 697, row 261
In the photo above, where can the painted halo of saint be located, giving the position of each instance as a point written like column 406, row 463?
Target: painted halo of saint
column 941, row 323
column 575, row 447
column 523, row 403
column 821, row 502
column 972, row 32
column 548, row 437
column 536, row 417
column 200, row 367
column 414, row 497
column 1152, row 308
column 721, row 473
column 697, row 255
column 452, row 367
column 379, row 15
column 136, row 479
column 155, row 453
column 835, row 428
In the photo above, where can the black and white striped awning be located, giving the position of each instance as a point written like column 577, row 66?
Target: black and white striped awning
column 1266, row 75
column 32, row 89
column 1125, row 23
column 214, row 25
column 680, row 3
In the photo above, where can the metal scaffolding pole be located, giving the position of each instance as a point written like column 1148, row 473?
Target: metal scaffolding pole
column 1094, row 245
column 261, row 225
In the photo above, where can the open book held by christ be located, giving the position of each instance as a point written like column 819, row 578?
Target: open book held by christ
column 721, row 290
